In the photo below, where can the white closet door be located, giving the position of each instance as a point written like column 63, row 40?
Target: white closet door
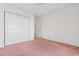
column 16, row 28
column 1, row 28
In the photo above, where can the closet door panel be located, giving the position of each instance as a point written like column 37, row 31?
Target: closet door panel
column 1, row 28
column 16, row 28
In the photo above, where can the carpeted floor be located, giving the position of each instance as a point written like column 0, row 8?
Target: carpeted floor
column 39, row 47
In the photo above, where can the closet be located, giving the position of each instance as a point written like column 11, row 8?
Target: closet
column 16, row 26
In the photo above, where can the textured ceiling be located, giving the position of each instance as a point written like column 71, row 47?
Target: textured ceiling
column 40, row 9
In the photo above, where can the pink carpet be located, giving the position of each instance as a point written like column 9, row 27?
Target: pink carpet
column 39, row 47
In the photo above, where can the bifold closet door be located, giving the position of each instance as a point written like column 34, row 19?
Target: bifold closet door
column 16, row 28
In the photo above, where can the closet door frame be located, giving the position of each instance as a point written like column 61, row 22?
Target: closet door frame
column 1, row 28
column 5, row 24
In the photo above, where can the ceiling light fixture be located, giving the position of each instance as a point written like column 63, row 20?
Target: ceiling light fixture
column 41, row 5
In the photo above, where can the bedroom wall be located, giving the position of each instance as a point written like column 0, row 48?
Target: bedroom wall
column 37, row 26
column 61, row 26
column 14, row 9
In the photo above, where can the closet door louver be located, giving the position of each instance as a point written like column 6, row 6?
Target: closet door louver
column 16, row 28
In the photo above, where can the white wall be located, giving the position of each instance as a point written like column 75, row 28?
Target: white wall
column 13, row 9
column 37, row 26
column 19, row 11
column 61, row 26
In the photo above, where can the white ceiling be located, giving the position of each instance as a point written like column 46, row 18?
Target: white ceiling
column 40, row 9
